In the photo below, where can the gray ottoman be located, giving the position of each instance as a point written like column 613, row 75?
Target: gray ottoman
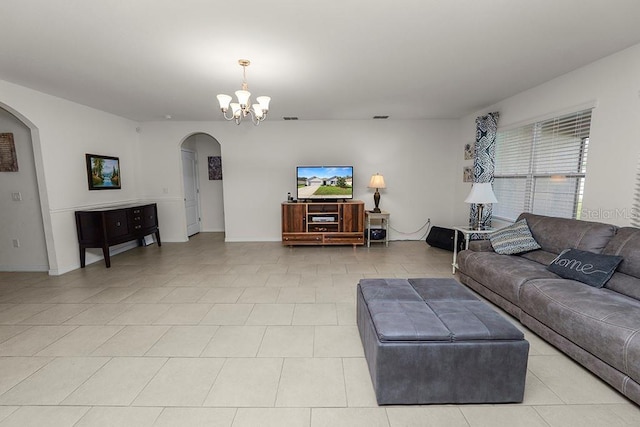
column 433, row 341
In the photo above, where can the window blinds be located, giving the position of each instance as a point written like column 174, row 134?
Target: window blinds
column 541, row 167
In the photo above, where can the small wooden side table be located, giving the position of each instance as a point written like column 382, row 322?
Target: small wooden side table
column 383, row 217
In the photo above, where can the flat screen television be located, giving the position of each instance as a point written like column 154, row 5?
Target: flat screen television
column 324, row 182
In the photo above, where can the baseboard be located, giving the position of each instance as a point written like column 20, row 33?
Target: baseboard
column 24, row 268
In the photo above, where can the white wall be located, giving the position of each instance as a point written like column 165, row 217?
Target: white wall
column 415, row 157
column 613, row 83
column 62, row 133
column 22, row 219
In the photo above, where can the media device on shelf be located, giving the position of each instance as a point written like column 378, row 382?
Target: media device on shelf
column 324, row 182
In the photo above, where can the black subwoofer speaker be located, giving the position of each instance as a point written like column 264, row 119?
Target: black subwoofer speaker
column 440, row 237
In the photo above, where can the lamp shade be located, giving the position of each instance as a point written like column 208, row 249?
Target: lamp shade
column 235, row 109
column 377, row 181
column 224, row 101
column 481, row 193
column 257, row 111
column 264, row 102
column 243, row 96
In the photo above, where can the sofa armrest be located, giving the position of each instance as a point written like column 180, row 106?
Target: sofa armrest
column 480, row 246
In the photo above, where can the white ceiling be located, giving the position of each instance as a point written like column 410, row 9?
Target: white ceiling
column 323, row 59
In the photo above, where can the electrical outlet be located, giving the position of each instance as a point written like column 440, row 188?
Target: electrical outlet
column 16, row 243
column 16, row 197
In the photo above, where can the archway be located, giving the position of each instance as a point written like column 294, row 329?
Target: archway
column 209, row 188
column 26, row 216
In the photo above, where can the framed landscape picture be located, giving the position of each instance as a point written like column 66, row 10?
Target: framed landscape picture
column 103, row 172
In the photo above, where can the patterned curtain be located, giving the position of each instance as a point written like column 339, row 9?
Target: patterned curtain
column 484, row 160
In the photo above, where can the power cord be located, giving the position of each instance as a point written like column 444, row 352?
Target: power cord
column 427, row 224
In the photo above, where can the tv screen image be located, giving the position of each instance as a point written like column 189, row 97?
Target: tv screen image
column 324, row 182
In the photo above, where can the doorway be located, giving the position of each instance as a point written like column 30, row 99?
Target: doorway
column 24, row 245
column 203, row 193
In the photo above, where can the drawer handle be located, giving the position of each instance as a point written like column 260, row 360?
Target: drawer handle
column 138, row 227
column 117, row 223
column 136, row 218
column 137, row 211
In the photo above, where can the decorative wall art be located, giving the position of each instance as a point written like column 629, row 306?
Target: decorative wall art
column 215, row 168
column 467, row 174
column 8, row 158
column 103, row 172
column 469, row 151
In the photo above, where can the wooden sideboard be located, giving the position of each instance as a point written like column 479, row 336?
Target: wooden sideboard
column 104, row 227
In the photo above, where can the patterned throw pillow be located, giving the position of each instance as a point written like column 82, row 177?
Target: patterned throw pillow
column 586, row 267
column 514, row 239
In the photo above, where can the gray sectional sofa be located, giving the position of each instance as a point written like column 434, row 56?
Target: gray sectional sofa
column 597, row 327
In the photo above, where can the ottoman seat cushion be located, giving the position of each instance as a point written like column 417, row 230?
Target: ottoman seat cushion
column 432, row 310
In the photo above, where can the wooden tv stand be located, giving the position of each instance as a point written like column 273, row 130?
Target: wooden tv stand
column 323, row 223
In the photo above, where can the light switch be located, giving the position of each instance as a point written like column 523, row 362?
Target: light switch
column 16, row 197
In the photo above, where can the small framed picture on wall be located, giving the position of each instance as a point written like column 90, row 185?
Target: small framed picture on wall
column 467, row 174
column 469, row 148
column 215, row 168
column 8, row 158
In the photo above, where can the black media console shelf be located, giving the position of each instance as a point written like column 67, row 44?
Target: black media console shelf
column 101, row 228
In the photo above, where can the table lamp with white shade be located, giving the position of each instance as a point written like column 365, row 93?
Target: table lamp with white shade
column 481, row 194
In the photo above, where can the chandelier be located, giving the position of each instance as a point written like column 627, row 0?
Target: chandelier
column 244, row 107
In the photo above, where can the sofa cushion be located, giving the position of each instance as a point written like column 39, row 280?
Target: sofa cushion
column 502, row 274
column 626, row 279
column 586, row 267
column 513, row 239
column 540, row 256
column 558, row 234
column 602, row 322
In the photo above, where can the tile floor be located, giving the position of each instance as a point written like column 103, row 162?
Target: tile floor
column 239, row 334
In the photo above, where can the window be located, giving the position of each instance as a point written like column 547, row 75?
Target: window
column 540, row 168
